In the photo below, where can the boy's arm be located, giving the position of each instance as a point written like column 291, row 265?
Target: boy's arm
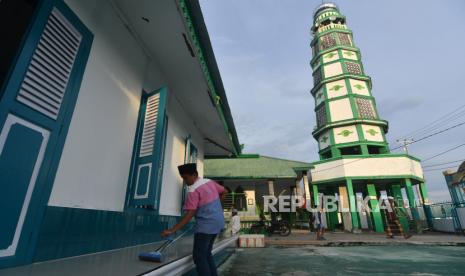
column 185, row 220
column 223, row 195
column 221, row 191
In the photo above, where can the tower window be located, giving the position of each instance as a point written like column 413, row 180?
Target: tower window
column 374, row 150
column 317, row 76
column 326, row 155
column 321, row 116
column 344, row 39
column 365, row 108
column 315, row 49
column 353, row 68
column 327, row 41
column 350, row 150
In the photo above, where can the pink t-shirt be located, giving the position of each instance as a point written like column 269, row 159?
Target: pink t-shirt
column 204, row 197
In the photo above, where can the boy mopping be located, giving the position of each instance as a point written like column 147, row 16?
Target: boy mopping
column 203, row 202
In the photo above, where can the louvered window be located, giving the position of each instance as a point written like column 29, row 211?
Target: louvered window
column 147, row 165
column 150, row 125
column 37, row 102
column 344, row 39
column 191, row 153
column 353, row 68
column 315, row 49
column 321, row 116
column 48, row 73
column 365, row 108
column 317, row 77
column 327, row 41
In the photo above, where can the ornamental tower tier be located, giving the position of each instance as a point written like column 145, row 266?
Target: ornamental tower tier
column 348, row 122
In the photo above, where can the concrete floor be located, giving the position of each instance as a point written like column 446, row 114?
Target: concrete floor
column 125, row 262
column 309, row 260
column 119, row 262
column 304, row 237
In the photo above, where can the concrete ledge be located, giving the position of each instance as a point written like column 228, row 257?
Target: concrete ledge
column 183, row 265
column 365, row 239
column 383, row 167
column 359, row 243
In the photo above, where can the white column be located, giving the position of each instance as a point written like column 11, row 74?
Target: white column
column 271, row 187
column 306, row 187
column 250, row 198
column 297, row 188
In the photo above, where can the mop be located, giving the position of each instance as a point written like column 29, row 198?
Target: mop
column 157, row 255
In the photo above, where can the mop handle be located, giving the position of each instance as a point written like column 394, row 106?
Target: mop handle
column 182, row 234
column 171, row 240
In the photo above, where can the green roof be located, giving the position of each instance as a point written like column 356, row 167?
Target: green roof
column 258, row 167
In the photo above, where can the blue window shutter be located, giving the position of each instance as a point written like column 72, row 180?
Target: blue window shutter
column 190, row 156
column 36, row 106
column 148, row 156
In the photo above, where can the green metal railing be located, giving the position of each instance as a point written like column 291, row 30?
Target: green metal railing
column 235, row 201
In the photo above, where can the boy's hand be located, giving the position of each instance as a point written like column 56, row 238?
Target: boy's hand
column 167, row 232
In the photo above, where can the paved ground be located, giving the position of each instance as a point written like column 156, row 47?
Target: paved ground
column 391, row 260
column 303, row 237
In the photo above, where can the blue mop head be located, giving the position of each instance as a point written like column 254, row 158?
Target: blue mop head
column 155, row 256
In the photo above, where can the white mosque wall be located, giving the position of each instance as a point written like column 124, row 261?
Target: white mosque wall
column 367, row 167
column 372, row 133
column 349, row 55
column 359, row 87
column 331, row 56
column 323, row 140
column 444, row 224
column 332, row 69
column 179, row 128
column 340, row 110
column 336, row 89
column 94, row 167
column 345, row 134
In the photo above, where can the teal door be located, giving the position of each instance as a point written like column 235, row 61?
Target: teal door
column 36, row 106
column 148, row 155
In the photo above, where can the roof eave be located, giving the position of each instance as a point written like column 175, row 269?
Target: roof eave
column 201, row 33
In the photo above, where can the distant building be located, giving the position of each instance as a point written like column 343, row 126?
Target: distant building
column 250, row 177
column 456, row 184
column 450, row 216
column 100, row 101
column 355, row 160
column 453, row 219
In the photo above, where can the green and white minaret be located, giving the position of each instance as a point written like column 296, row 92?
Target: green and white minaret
column 354, row 153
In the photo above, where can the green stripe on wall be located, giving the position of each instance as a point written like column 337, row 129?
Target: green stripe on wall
column 67, row 232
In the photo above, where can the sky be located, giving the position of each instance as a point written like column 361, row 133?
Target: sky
column 413, row 51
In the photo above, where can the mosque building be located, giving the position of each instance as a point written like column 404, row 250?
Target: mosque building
column 97, row 110
column 100, row 101
column 355, row 160
column 456, row 185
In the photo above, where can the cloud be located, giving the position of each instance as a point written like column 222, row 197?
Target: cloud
column 263, row 53
column 391, row 106
column 243, row 59
column 289, row 140
column 222, row 40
